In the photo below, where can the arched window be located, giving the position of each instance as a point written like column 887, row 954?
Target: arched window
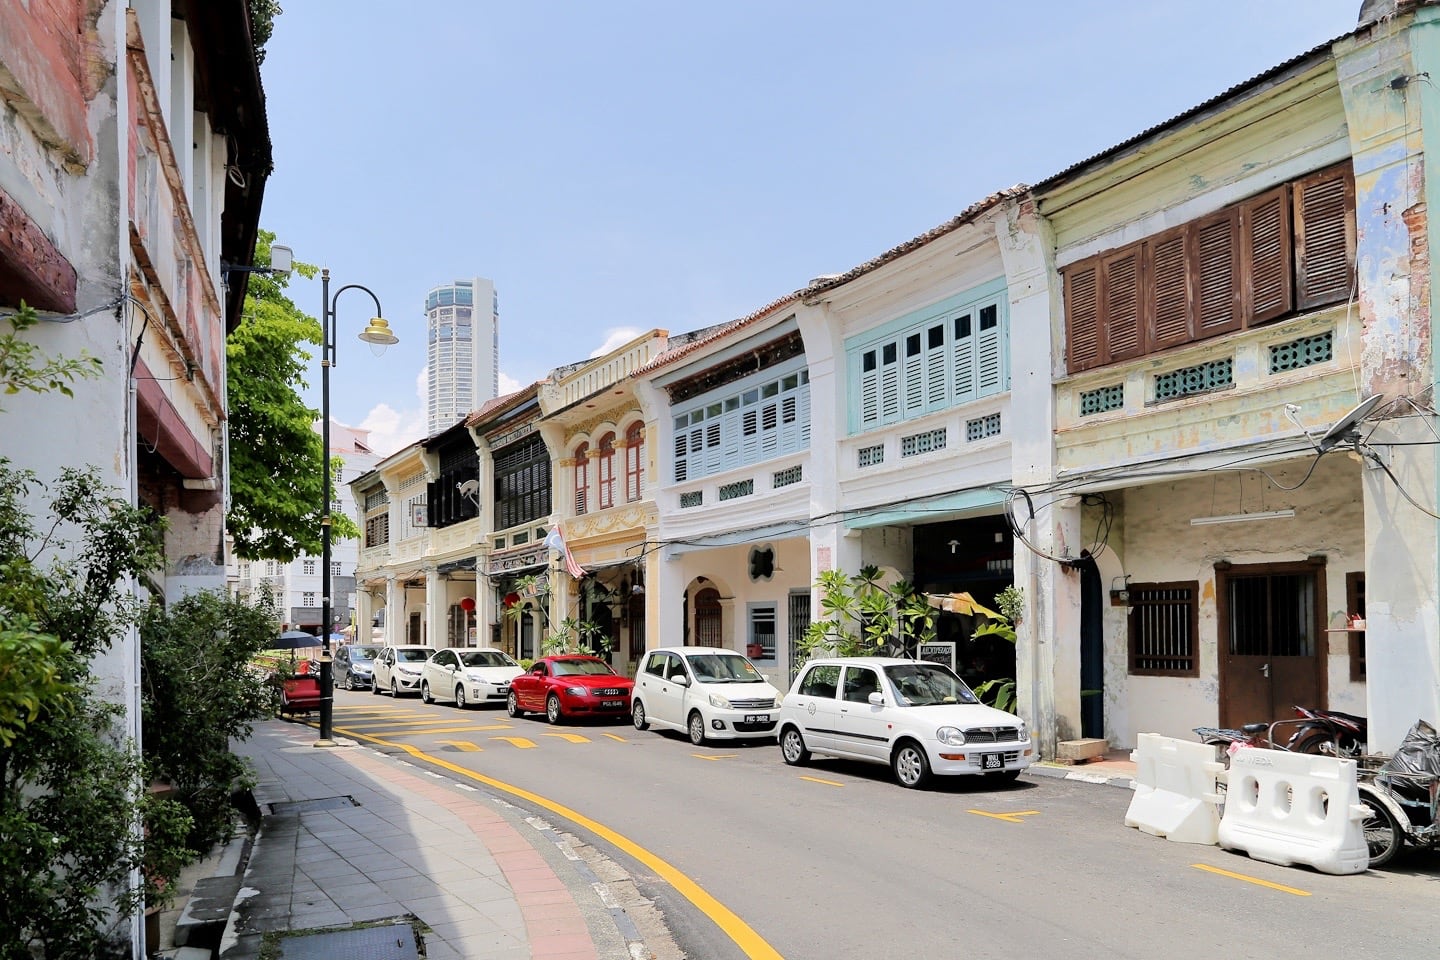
column 634, row 461
column 707, row 618
column 582, row 479
column 606, row 471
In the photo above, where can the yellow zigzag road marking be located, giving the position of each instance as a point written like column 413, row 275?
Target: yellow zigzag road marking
column 1007, row 817
column 614, row 736
column 520, row 742
column 1255, row 880
column 750, row 943
column 463, row 745
column 572, row 737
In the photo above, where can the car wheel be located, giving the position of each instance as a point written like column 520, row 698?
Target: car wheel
column 912, row 767
column 1382, row 834
column 512, row 705
column 637, row 716
column 425, row 692
column 459, row 696
column 394, row 690
column 552, row 709
column 374, row 687
column 349, row 680
column 792, row 747
column 696, row 728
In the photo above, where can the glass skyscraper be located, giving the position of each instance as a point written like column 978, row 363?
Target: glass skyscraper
column 463, row 354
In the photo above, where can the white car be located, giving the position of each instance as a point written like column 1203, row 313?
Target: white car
column 397, row 669
column 706, row 692
column 467, row 676
column 918, row 717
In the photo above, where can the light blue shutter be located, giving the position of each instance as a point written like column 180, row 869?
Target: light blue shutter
column 989, row 370
column 914, row 361
column 964, row 354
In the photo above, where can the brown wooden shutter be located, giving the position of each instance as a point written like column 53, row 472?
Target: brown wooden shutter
column 1217, row 241
column 1121, row 282
column 1325, row 237
column 1266, row 251
column 1167, row 290
column 1082, row 316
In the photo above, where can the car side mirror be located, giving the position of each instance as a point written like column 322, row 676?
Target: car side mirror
column 682, row 680
column 877, row 699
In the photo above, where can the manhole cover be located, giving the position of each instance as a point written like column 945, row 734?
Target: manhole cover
column 393, row 942
column 286, row 807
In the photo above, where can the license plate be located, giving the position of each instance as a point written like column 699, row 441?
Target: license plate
column 757, row 718
column 502, row 689
column 612, row 704
column 992, row 761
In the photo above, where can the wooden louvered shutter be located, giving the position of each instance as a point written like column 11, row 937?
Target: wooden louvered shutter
column 1325, row 237
column 1217, row 274
column 1122, row 334
column 1265, row 255
column 1082, row 317
column 1167, row 290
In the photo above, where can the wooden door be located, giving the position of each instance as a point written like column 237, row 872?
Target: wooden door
column 1272, row 641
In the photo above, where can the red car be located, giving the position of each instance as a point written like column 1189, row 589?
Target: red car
column 570, row 685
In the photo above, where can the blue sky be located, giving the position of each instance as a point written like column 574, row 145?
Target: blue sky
column 623, row 166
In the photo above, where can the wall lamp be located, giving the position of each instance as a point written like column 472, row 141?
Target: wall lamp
column 282, row 262
column 1243, row 517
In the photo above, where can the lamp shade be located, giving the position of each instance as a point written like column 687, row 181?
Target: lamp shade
column 378, row 332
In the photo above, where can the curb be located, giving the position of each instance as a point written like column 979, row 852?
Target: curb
column 1124, row 781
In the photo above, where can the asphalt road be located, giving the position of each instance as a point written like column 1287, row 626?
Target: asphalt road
column 835, row 860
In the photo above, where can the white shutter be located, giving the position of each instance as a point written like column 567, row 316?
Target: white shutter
column 870, row 399
column 802, row 415
column 964, row 353
column 937, row 379
column 890, row 389
column 988, row 354
column 914, row 361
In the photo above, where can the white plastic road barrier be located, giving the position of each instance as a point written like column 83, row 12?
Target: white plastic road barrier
column 1290, row 808
column 1174, row 789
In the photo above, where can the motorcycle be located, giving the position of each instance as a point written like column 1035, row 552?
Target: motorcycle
column 1329, row 732
column 1403, row 795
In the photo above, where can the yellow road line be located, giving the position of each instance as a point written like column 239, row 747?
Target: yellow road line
column 359, row 731
column 520, row 742
column 714, row 756
column 616, row 736
column 464, row 745
column 1255, row 880
column 572, row 737
column 750, row 943
column 830, row 783
column 1007, row 817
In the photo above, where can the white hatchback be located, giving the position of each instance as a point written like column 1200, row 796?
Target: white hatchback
column 706, row 692
column 468, row 676
column 917, row 717
column 397, row 669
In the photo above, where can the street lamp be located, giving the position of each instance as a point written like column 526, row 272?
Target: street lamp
column 377, row 334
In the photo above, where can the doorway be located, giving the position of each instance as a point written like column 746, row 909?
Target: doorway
column 1271, row 645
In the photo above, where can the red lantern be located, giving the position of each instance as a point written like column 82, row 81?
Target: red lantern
column 511, row 599
column 467, row 604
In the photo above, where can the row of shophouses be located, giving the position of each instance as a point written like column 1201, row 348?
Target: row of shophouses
column 1114, row 389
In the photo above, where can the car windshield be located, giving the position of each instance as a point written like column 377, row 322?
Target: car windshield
column 413, row 656
column 486, row 658
column 926, row 684
column 724, row 668
column 575, row 668
column 361, row 654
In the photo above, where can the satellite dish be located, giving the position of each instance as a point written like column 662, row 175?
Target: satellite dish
column 1344, row 428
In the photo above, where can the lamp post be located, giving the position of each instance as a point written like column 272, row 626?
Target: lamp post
column 378, row 334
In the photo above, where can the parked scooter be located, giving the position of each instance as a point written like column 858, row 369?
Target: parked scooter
column 1403, row 796
column 1329, row 732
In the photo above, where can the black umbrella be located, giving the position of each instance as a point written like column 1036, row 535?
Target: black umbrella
column 294, row 640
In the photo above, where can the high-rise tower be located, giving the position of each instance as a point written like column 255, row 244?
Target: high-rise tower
column 464, row 350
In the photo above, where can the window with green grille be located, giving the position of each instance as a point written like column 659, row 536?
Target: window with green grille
column 1202, row 378
column 1102, row 400
column 692, row 499
column 1303, row 352
column 869, row 456
column 740, row 488
column 783, row 478
column 982, row 427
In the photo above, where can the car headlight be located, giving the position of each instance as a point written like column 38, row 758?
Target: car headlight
column 409, row 671
column 951, row 736
column 474, row 677
column 360, row 668
column 1021, row 733
column 775, row 704
column 576, row 691
column 719, row 702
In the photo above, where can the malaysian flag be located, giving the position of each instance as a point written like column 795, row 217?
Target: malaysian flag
column 555, row 540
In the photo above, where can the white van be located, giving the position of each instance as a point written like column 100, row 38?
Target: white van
column 707, row 692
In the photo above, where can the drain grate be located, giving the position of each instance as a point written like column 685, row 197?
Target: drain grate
column 287, row 807
column 395, row 941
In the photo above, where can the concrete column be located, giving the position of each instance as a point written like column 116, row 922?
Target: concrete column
column 436, row 608
column 665, row 597
column 364, row 612
column 1391, row 120
column 394, row 611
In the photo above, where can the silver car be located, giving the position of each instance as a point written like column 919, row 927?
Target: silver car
column 355, row 665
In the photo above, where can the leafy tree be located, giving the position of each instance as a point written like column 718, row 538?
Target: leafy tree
column 571, row 634
column 863, row 617
column 23, row 366
column 275, row 454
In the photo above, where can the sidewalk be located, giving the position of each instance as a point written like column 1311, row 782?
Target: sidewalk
column 363, row 856
column 375, row 858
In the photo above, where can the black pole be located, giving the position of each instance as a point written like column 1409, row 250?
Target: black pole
column 327, row 676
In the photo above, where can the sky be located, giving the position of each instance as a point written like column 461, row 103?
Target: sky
column 624, row 166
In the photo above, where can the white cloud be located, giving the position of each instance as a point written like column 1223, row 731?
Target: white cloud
column 392, row 429
column 617, row 337
column 507, row 384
